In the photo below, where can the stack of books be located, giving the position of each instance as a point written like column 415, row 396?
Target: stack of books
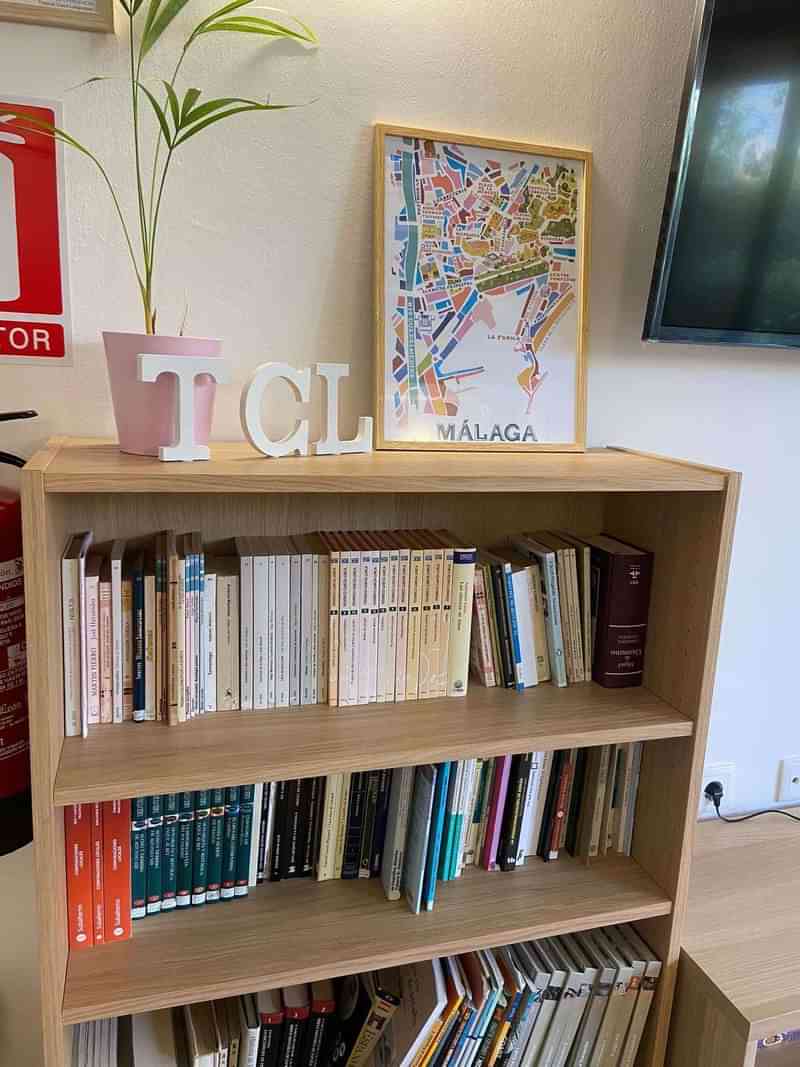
column 581, row 999
column 418, row 826
column 127, row 859
column 167, row 629
column 555, row 606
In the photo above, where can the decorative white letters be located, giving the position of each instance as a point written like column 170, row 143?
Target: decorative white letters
column 185, row 369
column 300, row 381
column 330, row 445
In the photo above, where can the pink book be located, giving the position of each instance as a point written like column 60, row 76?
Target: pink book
column 106, row 645
column 497, row 803
column 91, row 635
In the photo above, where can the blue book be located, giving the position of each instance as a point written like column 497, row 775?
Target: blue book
column 513, row 626
column 419, row 826
column 435, row 843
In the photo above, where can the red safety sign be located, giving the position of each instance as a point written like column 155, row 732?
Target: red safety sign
column 34, row 312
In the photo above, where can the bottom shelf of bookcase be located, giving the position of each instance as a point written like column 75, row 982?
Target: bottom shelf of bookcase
column 302, row 930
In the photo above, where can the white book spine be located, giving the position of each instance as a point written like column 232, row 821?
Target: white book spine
column 199, row 657
column 520, row 583
column 255, row 833
column 260, row 596
column 396, row 830
column 483, row 633
column 443, row 675
column 92, row 629
column 401, row 651
column 349, row 655
column 382, row 631
column 70, row 611
column 210, row 644
column 367, row 650
column 150, row 694
column 246, row 632
column 188, row 636
column 459, row 617
column 116, row 636
column 180, row 638
column 526, row 845
column 334, row 628
column 390, row 692
column 271, row 631
column 295, row 627
column 466, row 805
column 306, row 618
column 106, row 640
column 282, row 628
column 323, row 628
column 84, row 645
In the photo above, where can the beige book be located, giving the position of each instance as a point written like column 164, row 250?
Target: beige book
column 228, row 671
column 539, row 624
column 127, row 649
column 90, row 627
column 106, row 645
column 341, row 825
column 416, row 567
column 569, row 603
column 606, row 826
column 333, row 622
column 326, row 858
column 150, row 646
column 448, row 542
column 591, row 815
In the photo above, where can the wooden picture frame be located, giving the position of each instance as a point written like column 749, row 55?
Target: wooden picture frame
column 451, row 164
column 100, row 19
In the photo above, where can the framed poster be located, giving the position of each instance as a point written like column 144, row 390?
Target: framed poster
column 481, row 262
column 34, row 267
column 96, row 15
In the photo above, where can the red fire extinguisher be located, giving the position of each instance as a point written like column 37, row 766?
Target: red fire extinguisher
column 15, row 769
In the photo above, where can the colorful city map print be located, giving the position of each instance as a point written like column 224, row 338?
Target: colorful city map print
column 481, row 278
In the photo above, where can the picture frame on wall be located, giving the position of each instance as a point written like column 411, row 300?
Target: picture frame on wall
column 481, row 261
column 94, row 15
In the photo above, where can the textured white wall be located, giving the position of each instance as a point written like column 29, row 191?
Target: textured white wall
column 270, row 240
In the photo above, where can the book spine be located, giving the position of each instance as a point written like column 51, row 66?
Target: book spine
column 481, row 638
column 501, row 618
column 306, row 614
column 183, row 891
column 379, row 625
column 255, row 833
column 341, row 825
column 117, row 646
column 295, row 1022
column 448, row 592
column 465, row 815
column 150, row 691
column 230, row 851
column 271, row 790
column 381, row 816
column 228, row 670
column 260, row 611
column 155, row 842
column 314, row 666
column 514, row 810
column 78, row 847
column 513, row 628
column 271, row 630
column 414, row 623
column 460, row 621
column 202, row 816
column 623, row 605
column 210, row 643
column 172, row 632
column 158, row 626
column 393, row 587
column 169, row 853
column 437, row 825
column 323, row 628
column 270, row 1040
column 311, row 843
column 401, row 650
column 128, row 649
column 200, row 631
column 263, row 830
column 246, row 797
column 495, row 812
column 138, row 647
column 182, row 712
column 402, row 784
column 370, row 807
column 355, row 820
column 139, row 820
column 117, row 869
column 364, row 586
column 474, row 812
column 555, row 634
column 436, row 685
column 540, row 625
column 334, row 628
column 246, row 632
column 382, row 1009
column 92, row 635
column 216, row 845
column 70, row 622
column 560, row 809
column 327, row 838
column 106, row 642
column 98, row 896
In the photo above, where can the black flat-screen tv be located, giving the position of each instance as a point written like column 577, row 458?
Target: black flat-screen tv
column 727, row 269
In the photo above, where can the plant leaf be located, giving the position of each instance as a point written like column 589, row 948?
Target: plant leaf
column 152, row 11
column 162, row 118
column 210, row 106
column 166, row 13
column 219, row 116
column 189, row 100
column 255, row 24
column 174, row 106
column 233, row 6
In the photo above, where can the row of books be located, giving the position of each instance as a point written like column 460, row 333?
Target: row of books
column 167, row 629
column 127, row 859
column 163, row 628
column 579, row 999
column 555, row 605
column 418, row 826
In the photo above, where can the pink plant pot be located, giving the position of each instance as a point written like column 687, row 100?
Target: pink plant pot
column 145, row 411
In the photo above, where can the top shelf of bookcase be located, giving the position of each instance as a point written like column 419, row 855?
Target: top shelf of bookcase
column 84, row 465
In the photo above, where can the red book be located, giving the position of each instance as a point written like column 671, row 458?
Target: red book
column 117, row 869
column 560, row 808
column 622, row 576
column 98, row 901
column 78, row 847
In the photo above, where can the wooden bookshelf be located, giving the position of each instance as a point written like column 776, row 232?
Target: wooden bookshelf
column 343, row 927
column 297, row 931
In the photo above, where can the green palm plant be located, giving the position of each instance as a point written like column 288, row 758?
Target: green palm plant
column 178, row 119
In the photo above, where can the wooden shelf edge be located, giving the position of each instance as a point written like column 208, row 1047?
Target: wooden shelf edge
column 302, row 931
column 236, row 747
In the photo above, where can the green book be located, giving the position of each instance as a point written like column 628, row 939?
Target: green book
column 138, row 857
column 155, row 834
column 185, row 843
column 246, row 797
column 230, row 849
column 169, row 852
column 202, row 817
column 216, row 844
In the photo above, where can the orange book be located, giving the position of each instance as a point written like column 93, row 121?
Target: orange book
column 78, row 847
column 98, row 903
column 117, row 869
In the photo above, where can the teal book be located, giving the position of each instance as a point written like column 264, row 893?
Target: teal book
column 183, row 895
column 246, row 796
column 435, row 843
column 448, row 832
column 138, row 857
column 169, row 852
column 202, row 817
column 216, row 843
column 230, row 849
column 155, row 834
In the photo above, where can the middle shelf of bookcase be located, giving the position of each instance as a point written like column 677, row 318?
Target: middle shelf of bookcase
column 234, row 747
column 302, row 930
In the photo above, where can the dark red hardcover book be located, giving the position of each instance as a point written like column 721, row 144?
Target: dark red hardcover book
column 621, row 580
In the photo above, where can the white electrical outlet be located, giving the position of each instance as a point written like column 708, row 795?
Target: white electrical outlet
column 718, row 772
column 789, row 785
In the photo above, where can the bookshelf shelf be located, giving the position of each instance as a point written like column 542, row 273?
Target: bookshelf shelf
column 299, row 930
column 228, row 748
column 302, row 930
